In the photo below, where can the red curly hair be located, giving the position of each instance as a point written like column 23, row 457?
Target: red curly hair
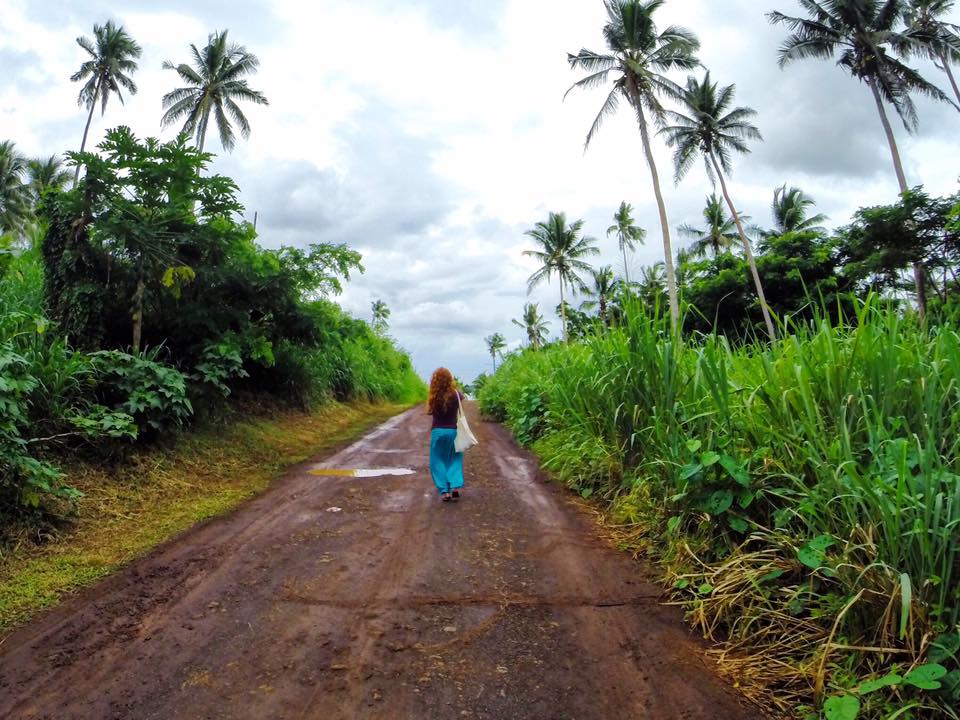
column 442, row 389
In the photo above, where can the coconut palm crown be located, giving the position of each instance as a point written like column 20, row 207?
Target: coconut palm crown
column 215, row 82
column 14, row 194
column 860, row 34
column 790, row 209
column 45, row 174
column 496, row 344
column 534, row 324
column 601, row 292
column 932, row 37
column 113, row 59
column 561, row 252
column 719, row 233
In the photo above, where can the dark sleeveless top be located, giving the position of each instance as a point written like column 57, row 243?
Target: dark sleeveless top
column 447, row 419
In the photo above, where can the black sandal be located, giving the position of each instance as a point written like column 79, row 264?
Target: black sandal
column 456, row 494
column 445, row 497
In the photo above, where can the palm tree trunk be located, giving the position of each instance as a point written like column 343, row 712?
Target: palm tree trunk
column 891, row 140
column 626, row 271
column 953, row 81
column 919, row 272
column 661, row 207
column 86, row 130
column 563, row 313
column 751, row 260
column 204, row 121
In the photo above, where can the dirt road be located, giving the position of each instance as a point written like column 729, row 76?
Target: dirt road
column 335, row 598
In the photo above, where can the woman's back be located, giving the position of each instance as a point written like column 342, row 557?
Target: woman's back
column 446, row 417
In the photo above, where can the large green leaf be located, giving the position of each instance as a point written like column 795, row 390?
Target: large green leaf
column 735, row 470
column 738, row 524
column 873, row 685
column 841, row 707
column 718, row 502
column 814, row 552
column 709, row 459
column 944, row 647
column 951, row 685
column 926, row 677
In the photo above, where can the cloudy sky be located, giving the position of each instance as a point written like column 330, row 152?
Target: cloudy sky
column 430, row 134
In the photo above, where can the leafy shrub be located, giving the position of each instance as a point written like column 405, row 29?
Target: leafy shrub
column 23, row 479
column 155, row 395
column 219, row 364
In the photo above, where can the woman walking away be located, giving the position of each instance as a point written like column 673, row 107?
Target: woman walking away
column 446, row 464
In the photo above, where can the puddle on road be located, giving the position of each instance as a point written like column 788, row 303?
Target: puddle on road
column 362, row 473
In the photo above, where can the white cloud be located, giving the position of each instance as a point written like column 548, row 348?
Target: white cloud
column 431, row 134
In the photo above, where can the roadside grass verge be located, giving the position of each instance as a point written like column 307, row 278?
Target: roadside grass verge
column 802, row 497
column 130, row 508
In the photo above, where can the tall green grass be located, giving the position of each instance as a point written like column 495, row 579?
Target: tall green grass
column 823, row 469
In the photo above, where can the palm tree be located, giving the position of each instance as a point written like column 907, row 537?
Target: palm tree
column 561, row 252
column 652, row 283
column 719, row 233
column 933, row 37
column 534, row 324
column 214, row 85
column 790, row 206
column 712, row 129
column 495, row 346
column 381, row 316
column 14, row 195
column 638, row 56
column 46, row 174
column 861, row 31
column 113, row 59
column 605, row 286
column 629, row 235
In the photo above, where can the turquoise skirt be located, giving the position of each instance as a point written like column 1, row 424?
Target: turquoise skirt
column 446, row 464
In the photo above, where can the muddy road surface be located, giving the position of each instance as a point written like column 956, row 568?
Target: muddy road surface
column 334, row 598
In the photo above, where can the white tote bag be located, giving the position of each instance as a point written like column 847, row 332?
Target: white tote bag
column 465, row 437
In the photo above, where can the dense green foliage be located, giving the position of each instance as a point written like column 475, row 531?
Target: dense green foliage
column 142, row 302
column 803, row 266
column 782, row 483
